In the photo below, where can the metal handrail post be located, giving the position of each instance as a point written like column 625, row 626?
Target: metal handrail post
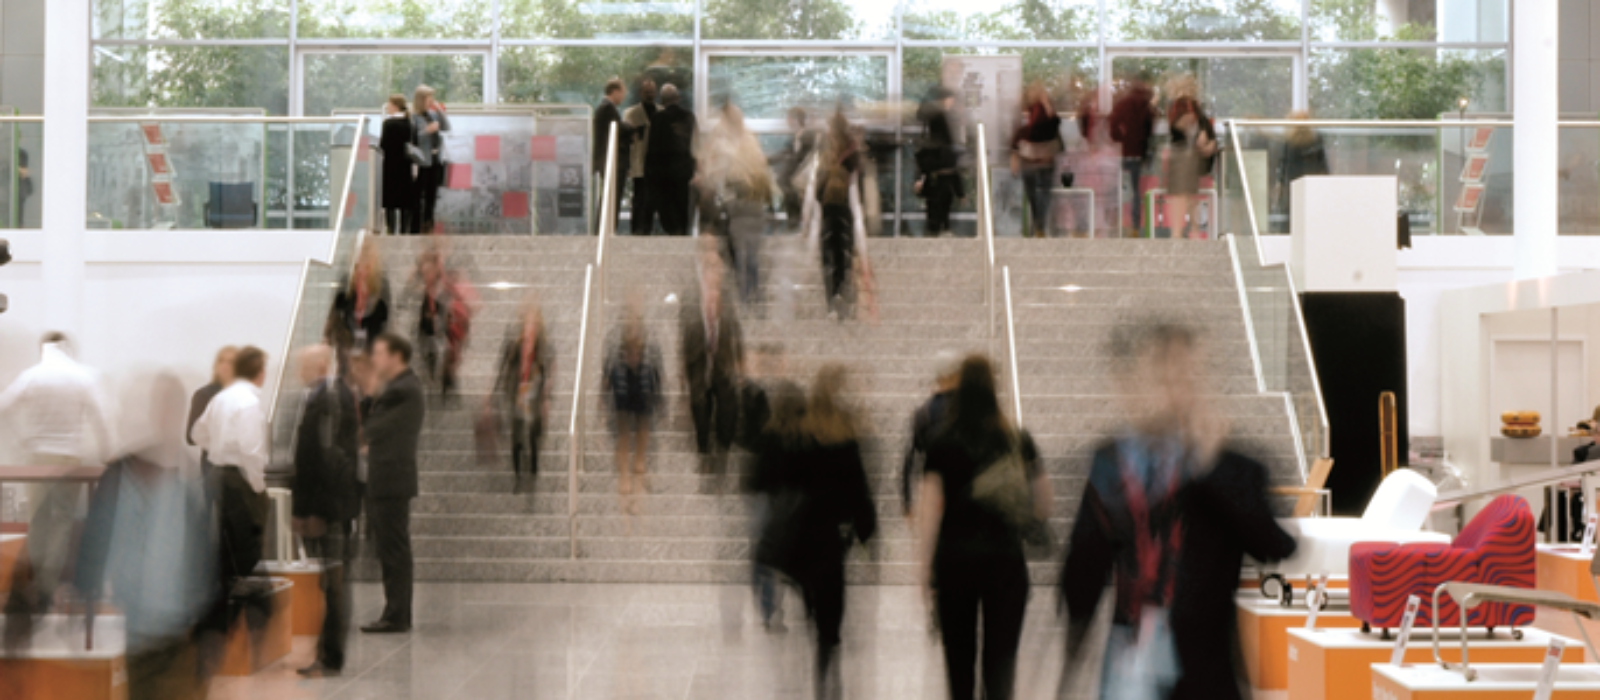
column 1011, row 346
column 575, row 431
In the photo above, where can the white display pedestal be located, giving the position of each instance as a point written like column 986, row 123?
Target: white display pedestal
column 1330, row 664
column 1342, row 234
column 1431, row 682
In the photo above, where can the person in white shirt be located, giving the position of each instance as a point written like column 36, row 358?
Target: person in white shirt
column 55, row 410
column 233, row 431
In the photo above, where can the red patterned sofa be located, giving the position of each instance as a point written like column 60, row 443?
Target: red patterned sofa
column 1497, row 548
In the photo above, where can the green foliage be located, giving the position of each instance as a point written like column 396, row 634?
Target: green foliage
column 778, row 19
column 1203, row 20
column 405, row 19
column 1394, row 83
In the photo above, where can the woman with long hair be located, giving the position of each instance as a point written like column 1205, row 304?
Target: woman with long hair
column 734, row 172
column 972, row 559
column 523, row 383
column 824, row 506
column 361, row 309
column 398, row 171
column 838, row 224
column 1034, row 148
column 428, row 120
column 1189, row 158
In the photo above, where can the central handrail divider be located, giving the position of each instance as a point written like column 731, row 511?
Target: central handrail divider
column 594, row 290
column 1011, row 349
column 986, row 224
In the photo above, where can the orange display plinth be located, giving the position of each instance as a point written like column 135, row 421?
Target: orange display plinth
column 248, row 649
column 1331, row 664
column 308, row 605
column 1494, row 682
column 1564, row 568
column 1264, row 637
column 10, row 552
column 56, row 664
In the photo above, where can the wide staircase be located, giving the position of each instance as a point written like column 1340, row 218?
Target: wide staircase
column 694, row 527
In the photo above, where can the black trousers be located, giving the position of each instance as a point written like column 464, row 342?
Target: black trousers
column 398, row 220
column 525, row 436
column 715, row 409
column 940, row 191
column 333, row 548
column 428, row 181
column 838, row 253
column 643, row 215
column 823, row 591
column 996, row 584
column 670, row 199
column 243, row 518
column 390, row 521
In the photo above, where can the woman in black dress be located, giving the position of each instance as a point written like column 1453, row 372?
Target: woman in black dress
column 398, row 177
column 972, row 558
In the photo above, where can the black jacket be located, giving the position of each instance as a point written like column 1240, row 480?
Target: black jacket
column 393, row 428
column 343, row 321
column 925, row 424
column 325, row 449
column 604, row 116
column 821, row 505
column 397, row 180
column 671, row 150
column 1225, row 515
column 720, row 367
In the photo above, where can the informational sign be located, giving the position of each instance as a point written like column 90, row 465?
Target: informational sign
column 1480, row 139
column 1588, row 535
column 988, row 92
column 1476, row 165
column 155, row 157
column 569, row 196
column 1471, row 197
column 1547, row 673
column 1398, row 657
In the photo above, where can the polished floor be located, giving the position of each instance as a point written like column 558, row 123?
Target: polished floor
column 637, row 642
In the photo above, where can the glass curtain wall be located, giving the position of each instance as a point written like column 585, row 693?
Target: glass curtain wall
column 1349, row 59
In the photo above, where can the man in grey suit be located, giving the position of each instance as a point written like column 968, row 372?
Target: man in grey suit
column 393, row 426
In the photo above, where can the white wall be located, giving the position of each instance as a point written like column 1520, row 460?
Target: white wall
column 1579, row 77
column 162, row 300
column 1437, row 264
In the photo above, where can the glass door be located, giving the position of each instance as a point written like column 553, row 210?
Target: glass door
column 766, row 85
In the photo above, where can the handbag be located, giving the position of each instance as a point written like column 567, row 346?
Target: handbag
column 1039, row 150
column 417, row 156
column 1003, row 489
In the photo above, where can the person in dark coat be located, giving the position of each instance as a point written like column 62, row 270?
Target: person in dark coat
column 929, row 419
column 755, row 417
column 1169, row 515
column 638, row 119
column 938, row 180
column 523, row 384
column 669, row 164
column 1133, row 119
column 825, row 506
column 327, row 496
column 221, row 377
column 392, row 429
column 973, row 565
column 428, row 120
column 361, row 309
column 1302, row 154
column 711, row 344
column 398, row 181
column 606, row 114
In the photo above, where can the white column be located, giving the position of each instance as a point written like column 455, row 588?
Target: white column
column 1536, row 61
column 64, row 189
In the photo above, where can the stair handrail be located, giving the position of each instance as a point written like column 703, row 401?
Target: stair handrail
column 986, row 224
column 1323, row 449
column 1011, row 351
column 594, row 295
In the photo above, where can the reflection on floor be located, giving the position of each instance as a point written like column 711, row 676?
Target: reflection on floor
column 616, row 642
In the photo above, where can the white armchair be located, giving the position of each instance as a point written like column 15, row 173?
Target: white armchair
column 1396, row 513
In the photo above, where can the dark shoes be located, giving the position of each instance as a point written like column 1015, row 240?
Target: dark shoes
column 386, row 627
column 321, row 670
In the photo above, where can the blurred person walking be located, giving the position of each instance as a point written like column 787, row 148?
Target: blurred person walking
column 527, row 365
column 938, row 177
column 1133, row 119
column 221, row 377
column 444, row 321
column 734, row 172
column 1034, row 148
column 669, row 164
column 1301, row 155
column 1168, row 513
column 233, row 430
column 839, row 227
column 399, row 166
column 427, row 121
column 822, row 507
column 1189, row 159
column 391, row 431
column 970, row 542
column 361, row 309
column 607, row 113
column 148, row 534
column 632, row 378
column 764, row 374
column 327, row 495
column 711, row 343
column 59, row 417
column 926, row 423
column 794, row 164
column 639, row 118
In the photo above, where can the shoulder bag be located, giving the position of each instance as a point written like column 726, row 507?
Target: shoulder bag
column 1002, row 488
